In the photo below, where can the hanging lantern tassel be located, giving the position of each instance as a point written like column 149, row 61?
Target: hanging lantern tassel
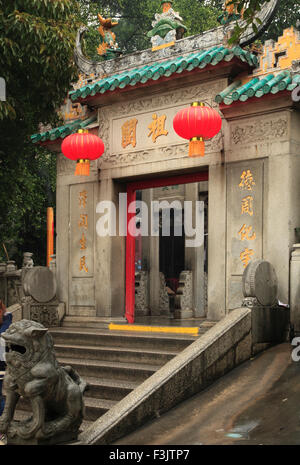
column 82, row 168
column 197, row 147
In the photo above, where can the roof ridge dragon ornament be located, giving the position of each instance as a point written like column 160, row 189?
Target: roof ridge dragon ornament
column 108, row 48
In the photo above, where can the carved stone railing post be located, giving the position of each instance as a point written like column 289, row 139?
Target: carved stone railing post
column 12, row 278
column 141, row 293
column 27, row 260
column 11, row 266
column 52, row 265
column 184, row 296
column 164, row 305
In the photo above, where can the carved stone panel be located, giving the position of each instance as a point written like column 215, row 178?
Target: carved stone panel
column 82, row 292
column 82, row 230
column 255, row 130
column 244, row 223
column 142, row 130
column 82, row 237
column 47, row 315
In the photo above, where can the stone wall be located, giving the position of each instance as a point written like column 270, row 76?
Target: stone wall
column 265, row 144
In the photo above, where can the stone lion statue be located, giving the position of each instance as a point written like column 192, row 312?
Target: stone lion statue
column 55, row 393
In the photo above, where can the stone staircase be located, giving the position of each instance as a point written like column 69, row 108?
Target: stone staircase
column 113, row 363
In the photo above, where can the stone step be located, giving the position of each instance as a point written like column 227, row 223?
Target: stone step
column 108, row 388
column 95, row 408
column 90, row 322
column 114, row 354
column 106, row 338
column 132, row 372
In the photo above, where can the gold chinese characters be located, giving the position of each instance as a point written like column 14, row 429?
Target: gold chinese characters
column 129, row 133
column 246, row 232
column 83, row 225
column 156, row 129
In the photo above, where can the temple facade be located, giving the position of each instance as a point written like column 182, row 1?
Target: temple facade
column 244, row 193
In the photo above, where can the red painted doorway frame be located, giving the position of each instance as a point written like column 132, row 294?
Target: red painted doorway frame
column 132, row 187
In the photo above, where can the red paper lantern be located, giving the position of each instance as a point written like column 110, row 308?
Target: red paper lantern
column 82, row 147
column 197, row 123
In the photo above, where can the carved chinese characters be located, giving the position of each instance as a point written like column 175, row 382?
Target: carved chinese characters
column 129, row 133
column 82, row 200
column 142, row 129
column 247, row 205
column 129, row 130
column 83, row 225
column 246, row 232
column 244, row 223
column 157, row 127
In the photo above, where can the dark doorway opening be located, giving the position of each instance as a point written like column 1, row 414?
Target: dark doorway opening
column 171, row 252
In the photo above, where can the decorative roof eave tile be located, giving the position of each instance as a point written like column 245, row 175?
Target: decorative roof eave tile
column 257, row 88
column 164, row 69
column 63, row 131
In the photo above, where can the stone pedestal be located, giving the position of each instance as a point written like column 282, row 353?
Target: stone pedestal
column 49, row 314
column 63, row 438
column 270, row 321
column 295, row 289
column 39, row 302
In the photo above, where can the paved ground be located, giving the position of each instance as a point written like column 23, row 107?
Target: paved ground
column 257, row 403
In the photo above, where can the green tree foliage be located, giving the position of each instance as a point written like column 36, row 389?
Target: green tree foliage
column 36, row 42
column 135, row 20
column 30, row 188
column 37, row 39
column 288, row 13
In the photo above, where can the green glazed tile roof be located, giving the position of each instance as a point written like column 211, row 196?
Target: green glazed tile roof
column 155, row 71
column 258, row 87
column 62, row 131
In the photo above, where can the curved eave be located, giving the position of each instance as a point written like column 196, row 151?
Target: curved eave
column 254, row 106
column 176, row 68
column 258, row 88
column 56, row 135
column 224, row 69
